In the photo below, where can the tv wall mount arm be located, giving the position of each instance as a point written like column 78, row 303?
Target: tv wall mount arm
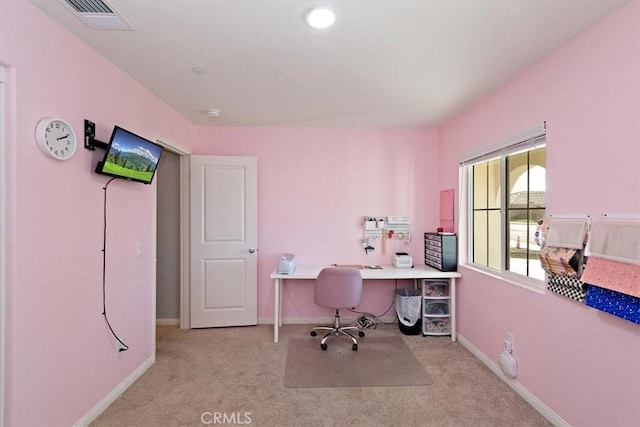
column 90, row 141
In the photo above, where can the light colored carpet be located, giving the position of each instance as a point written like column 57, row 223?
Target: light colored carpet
column 235, row 371
column 379, row 362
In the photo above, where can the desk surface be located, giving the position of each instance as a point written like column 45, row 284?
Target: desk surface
column 387, row 272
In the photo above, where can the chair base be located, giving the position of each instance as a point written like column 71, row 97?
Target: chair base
column 337, row 330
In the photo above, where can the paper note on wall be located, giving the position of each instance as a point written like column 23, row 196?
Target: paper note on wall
column 446, row 210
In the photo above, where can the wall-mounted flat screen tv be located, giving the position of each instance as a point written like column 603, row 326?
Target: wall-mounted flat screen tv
column 130, row 156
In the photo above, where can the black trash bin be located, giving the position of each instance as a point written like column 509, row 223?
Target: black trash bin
column 408, row 302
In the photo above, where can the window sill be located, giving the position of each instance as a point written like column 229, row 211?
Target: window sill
column 535, row 285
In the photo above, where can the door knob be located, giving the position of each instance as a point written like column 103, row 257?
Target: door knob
column 252, row 250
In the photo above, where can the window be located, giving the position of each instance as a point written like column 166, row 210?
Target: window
column 505, row 193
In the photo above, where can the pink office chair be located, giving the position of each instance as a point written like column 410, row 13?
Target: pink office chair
column 338, row 288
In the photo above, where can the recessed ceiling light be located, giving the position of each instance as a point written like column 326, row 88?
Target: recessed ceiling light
column 199, row 70
column 320, row 18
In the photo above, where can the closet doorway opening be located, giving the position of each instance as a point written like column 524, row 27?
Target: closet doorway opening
column 172, row 234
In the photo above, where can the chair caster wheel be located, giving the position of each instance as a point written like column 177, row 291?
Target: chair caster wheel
column 361, row 334
column 313, row 333
column 355, row 347
column 323, row 346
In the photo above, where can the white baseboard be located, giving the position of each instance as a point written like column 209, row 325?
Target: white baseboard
column 167, row 322
column 538, row 405
column 114, row 394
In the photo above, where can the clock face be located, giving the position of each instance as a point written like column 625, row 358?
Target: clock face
column 56, row 138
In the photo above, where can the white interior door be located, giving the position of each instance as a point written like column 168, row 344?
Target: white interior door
column 224, row 237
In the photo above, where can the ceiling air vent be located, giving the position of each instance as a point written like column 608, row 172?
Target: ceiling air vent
column 98, row 14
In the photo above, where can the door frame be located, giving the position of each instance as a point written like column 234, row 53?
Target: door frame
column 185, row 279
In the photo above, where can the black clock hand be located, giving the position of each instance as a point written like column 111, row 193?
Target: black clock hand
column 63, row 137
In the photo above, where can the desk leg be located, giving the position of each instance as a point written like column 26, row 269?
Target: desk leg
column 453, row 308
column 281, row 290
column 276, row 308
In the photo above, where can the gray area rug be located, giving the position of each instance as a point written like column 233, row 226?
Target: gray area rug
column 379, row 362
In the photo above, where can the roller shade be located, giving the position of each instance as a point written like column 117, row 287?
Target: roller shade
column 525, row 140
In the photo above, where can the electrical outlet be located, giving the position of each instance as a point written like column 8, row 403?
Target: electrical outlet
column 138, row 248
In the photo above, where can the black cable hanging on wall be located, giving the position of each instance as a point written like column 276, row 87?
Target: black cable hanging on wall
column 104, row 271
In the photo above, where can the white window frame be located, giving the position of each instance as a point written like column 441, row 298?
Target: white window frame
column 524, row 141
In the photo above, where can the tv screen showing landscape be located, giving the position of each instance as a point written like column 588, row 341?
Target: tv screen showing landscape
column 130, row 156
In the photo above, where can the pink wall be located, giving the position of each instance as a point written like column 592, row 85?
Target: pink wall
column 582, row 363
column 61, row 360
column 314, row 187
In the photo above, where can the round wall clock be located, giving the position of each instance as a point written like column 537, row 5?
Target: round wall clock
column 56, row 138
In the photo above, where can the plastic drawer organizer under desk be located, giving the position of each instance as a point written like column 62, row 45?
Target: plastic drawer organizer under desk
column 438, row 310
column 436, row 307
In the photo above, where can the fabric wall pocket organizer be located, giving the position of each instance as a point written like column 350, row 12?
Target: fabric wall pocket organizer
column 567, row 286
column 613, row 268
column 614, row 255
column 562, row 253
column 562, row 256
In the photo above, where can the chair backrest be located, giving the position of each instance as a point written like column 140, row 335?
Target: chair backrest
column 338, row 288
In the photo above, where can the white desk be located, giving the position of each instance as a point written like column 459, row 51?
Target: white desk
column 386, row 273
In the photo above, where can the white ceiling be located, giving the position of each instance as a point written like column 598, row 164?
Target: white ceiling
column 383, row 64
